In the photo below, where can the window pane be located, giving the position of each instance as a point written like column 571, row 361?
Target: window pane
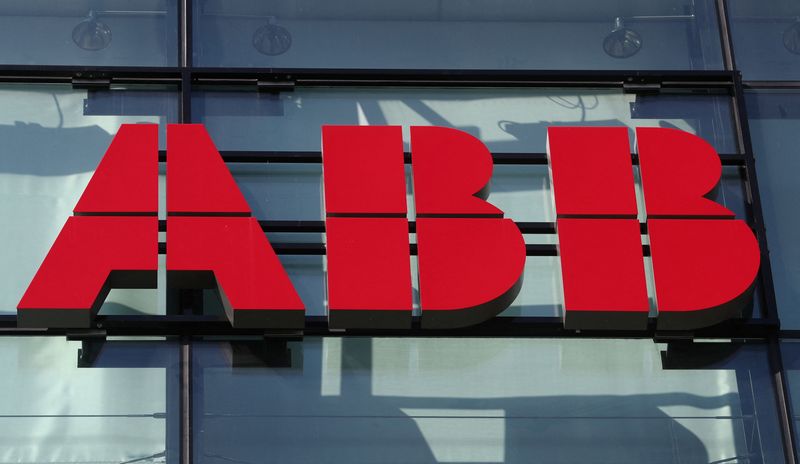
column 790, row 350
column 281, row 191
column 94, row 33
column 482, row 34
column 53, row 139
column 121, row 406
column 505, row 119
column 542, row 294
column 766, row 38
column 775, row 133
column 485, row 400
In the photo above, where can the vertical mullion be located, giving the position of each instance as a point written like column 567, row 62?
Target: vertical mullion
column 185, row 28
column 187, row 300
column 767, row 285
column 186, row 399
column 743, row 127
column 725, row 36
column 745, row 145
column 784, row 401
column 186, row 60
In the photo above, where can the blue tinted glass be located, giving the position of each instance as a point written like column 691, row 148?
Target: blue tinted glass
column 505, row 119
column 281, row 191
column 774, row 118
column 481, row 34
column 483, row 400
column 790, row 350
column 95, row 33
column 53, row 139
column 766, row 38
column 61, row 401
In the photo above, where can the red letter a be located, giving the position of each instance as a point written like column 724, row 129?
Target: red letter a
column 111, row 242
column 212, row 242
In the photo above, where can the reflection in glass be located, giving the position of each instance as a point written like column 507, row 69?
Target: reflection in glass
column 622, row 42
column 791, row 37
column 271, row 39
column 432, row 400
column 542, row 293
column 94, row 33
column 91, row 33
column 483, row 34
column 53, row 139
column 505, row 119
column 790, row 351
column 117, row 406
column 774, row 118
column 766, row 38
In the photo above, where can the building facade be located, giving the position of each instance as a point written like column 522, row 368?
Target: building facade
column 163, row 377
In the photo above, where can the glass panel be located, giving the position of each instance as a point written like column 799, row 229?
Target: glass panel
column 119, row 406
column 481, row 34
column 775, row 133
column 281, row 191
column 790, row 350
column 505, row 119
column 523, row 192
column 92, row 33
column 542, row 294
column 766, row 38
column 485, row 400
column 53, row 138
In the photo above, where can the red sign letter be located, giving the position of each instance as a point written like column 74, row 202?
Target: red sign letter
column 471, row 260
column 704, row 263
column 369, row 268
column 111, row 242
column 598, row 235
column 213, row 243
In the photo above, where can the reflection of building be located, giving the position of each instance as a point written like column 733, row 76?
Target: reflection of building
column 171, row 382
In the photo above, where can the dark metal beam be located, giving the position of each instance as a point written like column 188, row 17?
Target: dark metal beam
column 533, row 326
column 315, row 157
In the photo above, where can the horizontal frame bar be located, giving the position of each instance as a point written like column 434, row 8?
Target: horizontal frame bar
column 193, row 325
column 315, row 157
column 370, row 77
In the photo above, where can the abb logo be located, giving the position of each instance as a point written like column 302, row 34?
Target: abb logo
column 470, row 258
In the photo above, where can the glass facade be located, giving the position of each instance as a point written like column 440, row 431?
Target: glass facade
column 163, row 377
column 773, row 116
column 486, row 400
column 360, row 34
column 90, row 33
column 507, row 120
column 114, row 405
column 766, row 36
column 54, row 138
